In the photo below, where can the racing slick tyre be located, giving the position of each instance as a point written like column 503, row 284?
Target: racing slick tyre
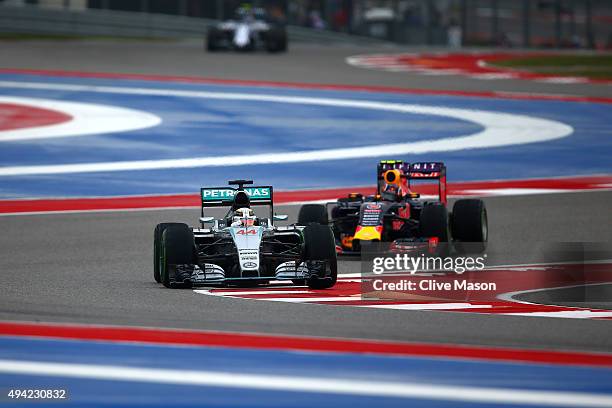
column 157, row 234
column 434, row 223
column 276, row 41
column 211, row 40
column 470, row 226
column 313, row 214
column 320, row 252
column 176, row 249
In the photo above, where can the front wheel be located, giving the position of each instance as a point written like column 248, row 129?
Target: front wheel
column 320, row 256
column 157, row 234
column 177, row 255
column 313, row 214
column 434, row 223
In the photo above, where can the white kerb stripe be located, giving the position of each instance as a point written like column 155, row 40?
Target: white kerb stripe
column 430, row 306
column 257, row 292
column 306, row 384
column 572, row 314
column 314, row 299
column 514, row 191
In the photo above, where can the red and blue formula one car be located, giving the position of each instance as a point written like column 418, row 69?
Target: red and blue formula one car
column 397, row 214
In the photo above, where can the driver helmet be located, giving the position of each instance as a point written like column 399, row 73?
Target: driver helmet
column 244, row 217
column 246, row 12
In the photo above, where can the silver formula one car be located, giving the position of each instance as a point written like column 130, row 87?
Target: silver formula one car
column 250, row 29
column 241, row 247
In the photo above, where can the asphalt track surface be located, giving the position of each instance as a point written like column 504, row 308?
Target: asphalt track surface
column 96, row 267
column 305, row 63
column 599, row 296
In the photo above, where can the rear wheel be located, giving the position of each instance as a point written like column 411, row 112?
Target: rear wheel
column 176, row 251
column 157, row 234
column 470, row 225
column 313, row 214
column 320, row 256
column 276, row 41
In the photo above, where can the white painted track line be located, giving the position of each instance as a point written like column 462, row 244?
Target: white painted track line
column 257, row 292
column 574, row 314
column 498, row 129
column 344, row 386
column 430, row 306
column 315, row 299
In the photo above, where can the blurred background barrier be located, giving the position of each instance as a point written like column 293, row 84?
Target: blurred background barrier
column 504, row 23
column 82, row 18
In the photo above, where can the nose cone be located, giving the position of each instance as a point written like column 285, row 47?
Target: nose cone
column 241, row 36
column 368, row 233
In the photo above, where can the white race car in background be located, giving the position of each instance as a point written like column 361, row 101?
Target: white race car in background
column 250, row 29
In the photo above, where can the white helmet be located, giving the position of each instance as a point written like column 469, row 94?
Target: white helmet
column 243, row 217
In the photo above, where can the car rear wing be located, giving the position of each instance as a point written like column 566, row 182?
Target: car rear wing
column 426, row 170
column 430, row 171
column 224, row 196
column 415, row 171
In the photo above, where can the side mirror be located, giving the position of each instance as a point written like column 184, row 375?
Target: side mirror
column 279, row 217
column 206, row 220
